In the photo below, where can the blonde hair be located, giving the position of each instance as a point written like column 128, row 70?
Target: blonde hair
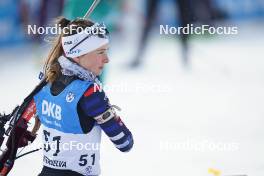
column 52, row 68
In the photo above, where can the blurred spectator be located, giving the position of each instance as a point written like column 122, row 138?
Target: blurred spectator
column 151, row 14
column 188, row 11
column 49, row 9
column 39, row 13
column 24, row 13
column 205, row 12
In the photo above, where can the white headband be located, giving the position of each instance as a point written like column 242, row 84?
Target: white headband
column 82, row 43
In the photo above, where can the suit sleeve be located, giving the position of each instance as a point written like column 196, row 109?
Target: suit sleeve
column 95, row 104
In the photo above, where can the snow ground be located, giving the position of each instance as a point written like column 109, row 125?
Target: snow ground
column 183, row 121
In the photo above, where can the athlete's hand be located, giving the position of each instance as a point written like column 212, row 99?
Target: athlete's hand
column 27, row 139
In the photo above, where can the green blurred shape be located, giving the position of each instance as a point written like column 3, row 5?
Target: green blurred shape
column 106, row 11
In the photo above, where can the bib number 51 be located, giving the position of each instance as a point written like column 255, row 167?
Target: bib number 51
column 83, row 161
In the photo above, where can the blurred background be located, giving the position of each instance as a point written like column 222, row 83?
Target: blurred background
column 193, row 102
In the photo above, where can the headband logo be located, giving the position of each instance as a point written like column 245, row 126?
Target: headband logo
column 67, row 43
column 77, row 51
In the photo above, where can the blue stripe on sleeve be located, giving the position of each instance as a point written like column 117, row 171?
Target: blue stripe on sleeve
column 129, row 146
column 113, row 129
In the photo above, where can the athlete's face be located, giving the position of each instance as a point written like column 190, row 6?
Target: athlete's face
column 95, row 60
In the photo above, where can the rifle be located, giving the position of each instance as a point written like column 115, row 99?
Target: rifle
column 16, row 131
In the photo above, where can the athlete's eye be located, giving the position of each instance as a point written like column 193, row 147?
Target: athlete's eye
column 102, row 52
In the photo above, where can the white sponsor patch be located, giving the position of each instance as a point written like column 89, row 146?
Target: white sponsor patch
column 70, row 97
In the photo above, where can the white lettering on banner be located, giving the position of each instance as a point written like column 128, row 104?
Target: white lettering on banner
column 51, row 109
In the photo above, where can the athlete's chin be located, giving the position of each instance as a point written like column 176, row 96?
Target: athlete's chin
column 98, row 72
